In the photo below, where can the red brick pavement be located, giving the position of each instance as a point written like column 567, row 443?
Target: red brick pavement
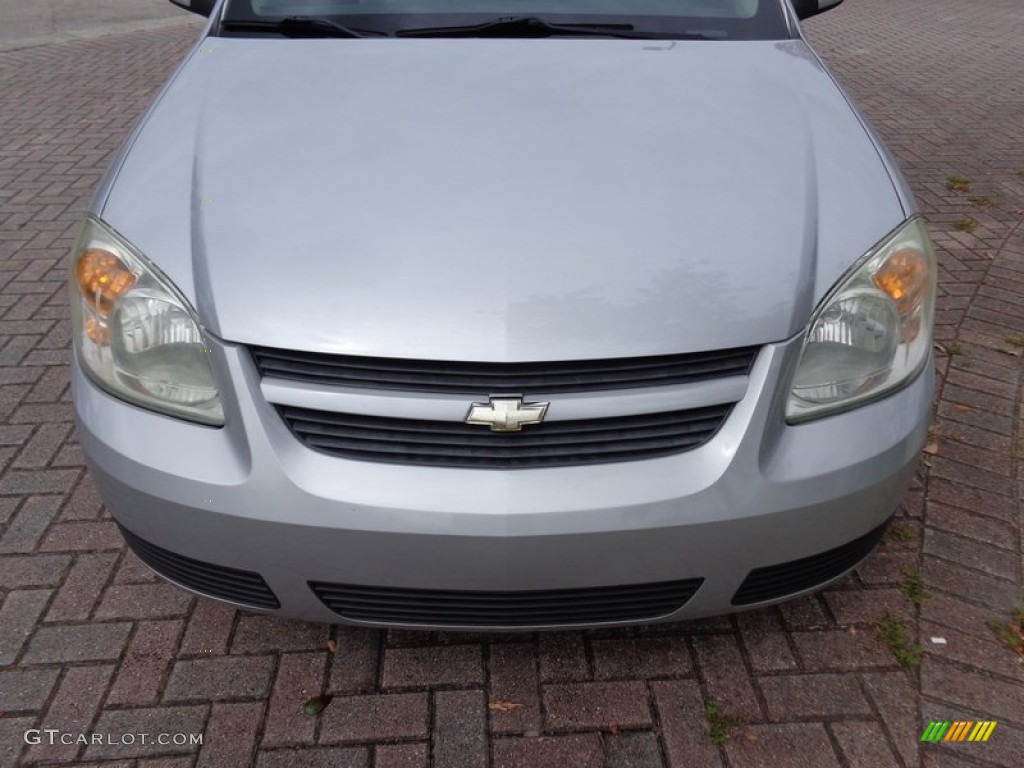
column 91, row 642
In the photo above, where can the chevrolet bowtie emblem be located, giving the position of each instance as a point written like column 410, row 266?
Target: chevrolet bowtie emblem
column 506, row 414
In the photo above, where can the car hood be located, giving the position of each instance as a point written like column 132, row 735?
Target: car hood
column 502, row 200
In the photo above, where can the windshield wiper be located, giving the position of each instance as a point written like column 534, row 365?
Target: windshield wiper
column 520, row 26
column 297, row 26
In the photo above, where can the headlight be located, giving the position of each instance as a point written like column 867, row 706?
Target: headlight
column 135, row 335
column 873, row 332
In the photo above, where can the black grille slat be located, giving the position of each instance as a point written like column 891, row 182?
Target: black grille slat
column 503, row 452
column 549, row 607
column 218, row 580
column 552, row 615
column 456, row 444
column 491, row 463
column 466, row 598
column 502, row 619
column 171, row 561
column 557, row 367
column 523, row 441
column 691, row 417
column 221, row 581
column 777, row 581
column 433, row 376
column 555, row 384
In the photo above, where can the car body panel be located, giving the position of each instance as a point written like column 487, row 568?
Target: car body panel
column 757, row 494
column 535, row 199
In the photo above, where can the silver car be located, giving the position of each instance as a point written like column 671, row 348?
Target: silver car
column 502, row 314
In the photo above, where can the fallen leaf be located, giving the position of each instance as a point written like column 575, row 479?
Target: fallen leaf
column 500, row 705
column 332, row 646
column 613, row 729
column 962, row 407
column 316, row 705
column 931, row 448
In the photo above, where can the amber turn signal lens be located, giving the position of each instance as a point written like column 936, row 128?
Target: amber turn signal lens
column 904, row 277
column 102, row 278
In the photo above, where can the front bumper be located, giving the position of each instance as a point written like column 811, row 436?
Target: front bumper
column 250, row 497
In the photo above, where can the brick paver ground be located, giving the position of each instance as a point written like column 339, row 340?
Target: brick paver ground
column 91, row 642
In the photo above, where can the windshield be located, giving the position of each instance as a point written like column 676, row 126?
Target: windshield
column 705, row 19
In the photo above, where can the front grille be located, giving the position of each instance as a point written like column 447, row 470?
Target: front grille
column 542, row 378
column 593, row 605
column 553, row 443
column 777, row 581
column 220, row 581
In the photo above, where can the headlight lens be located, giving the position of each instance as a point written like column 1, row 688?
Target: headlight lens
column 873, row 333
column 135, row 335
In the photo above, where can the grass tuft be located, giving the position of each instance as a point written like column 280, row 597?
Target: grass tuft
column 957, row 183
column 1011, row 633
column 719, row 725
column 892, row 633
column 899, row 532
column 913, row 586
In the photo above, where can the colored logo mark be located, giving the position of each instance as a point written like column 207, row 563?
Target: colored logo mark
column 958, row 730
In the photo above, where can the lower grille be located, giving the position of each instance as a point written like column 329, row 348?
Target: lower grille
column 777, row 581
column 455, row 444
column 220, row 581
column 593, row 605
